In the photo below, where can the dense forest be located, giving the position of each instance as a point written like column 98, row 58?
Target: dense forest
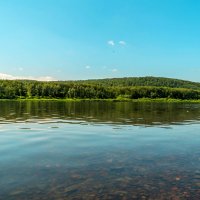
column 116, row 88
column 143, row 81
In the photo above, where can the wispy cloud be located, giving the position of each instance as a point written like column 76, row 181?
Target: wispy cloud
column 45, row 78
column 11, row 77
column 114, row 70
column 87, row 67
column 111, row 43
column 123, row 43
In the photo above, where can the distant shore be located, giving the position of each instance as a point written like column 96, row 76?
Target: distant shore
column 159, row 100
column 124, row 89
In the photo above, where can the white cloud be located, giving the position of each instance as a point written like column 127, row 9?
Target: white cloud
column 122, row 42
column 11, row 77
column 45, row 78
column 87, row 67
column 111, row 43
column 6, row 76
column 114, row 70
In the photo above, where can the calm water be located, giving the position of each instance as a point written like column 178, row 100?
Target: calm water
column 99, row 150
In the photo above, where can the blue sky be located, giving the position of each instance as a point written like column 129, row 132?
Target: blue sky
column 85, row 39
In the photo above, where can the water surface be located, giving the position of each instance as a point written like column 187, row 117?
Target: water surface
column 99, row 150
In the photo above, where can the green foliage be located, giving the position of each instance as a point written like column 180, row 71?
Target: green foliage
column 124, row 88
column 142, row 81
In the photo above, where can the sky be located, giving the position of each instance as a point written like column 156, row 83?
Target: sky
column 89, row 39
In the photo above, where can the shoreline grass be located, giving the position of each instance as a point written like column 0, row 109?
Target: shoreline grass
column 159, row 100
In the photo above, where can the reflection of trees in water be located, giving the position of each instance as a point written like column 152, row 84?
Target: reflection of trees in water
column 122, row 112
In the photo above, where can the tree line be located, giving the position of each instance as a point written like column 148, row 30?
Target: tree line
column 142, row 81
column 13, row 89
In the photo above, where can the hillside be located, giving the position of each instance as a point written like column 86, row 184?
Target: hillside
column 115, row 88
column 143, row 81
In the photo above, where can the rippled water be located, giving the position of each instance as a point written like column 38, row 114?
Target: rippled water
column 99, row 150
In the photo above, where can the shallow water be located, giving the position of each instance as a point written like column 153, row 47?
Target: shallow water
column 99, row 150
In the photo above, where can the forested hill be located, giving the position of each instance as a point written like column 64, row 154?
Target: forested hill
column 143, row 81
column 116, row 88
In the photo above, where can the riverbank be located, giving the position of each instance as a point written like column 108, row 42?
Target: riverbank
column 158, row 100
